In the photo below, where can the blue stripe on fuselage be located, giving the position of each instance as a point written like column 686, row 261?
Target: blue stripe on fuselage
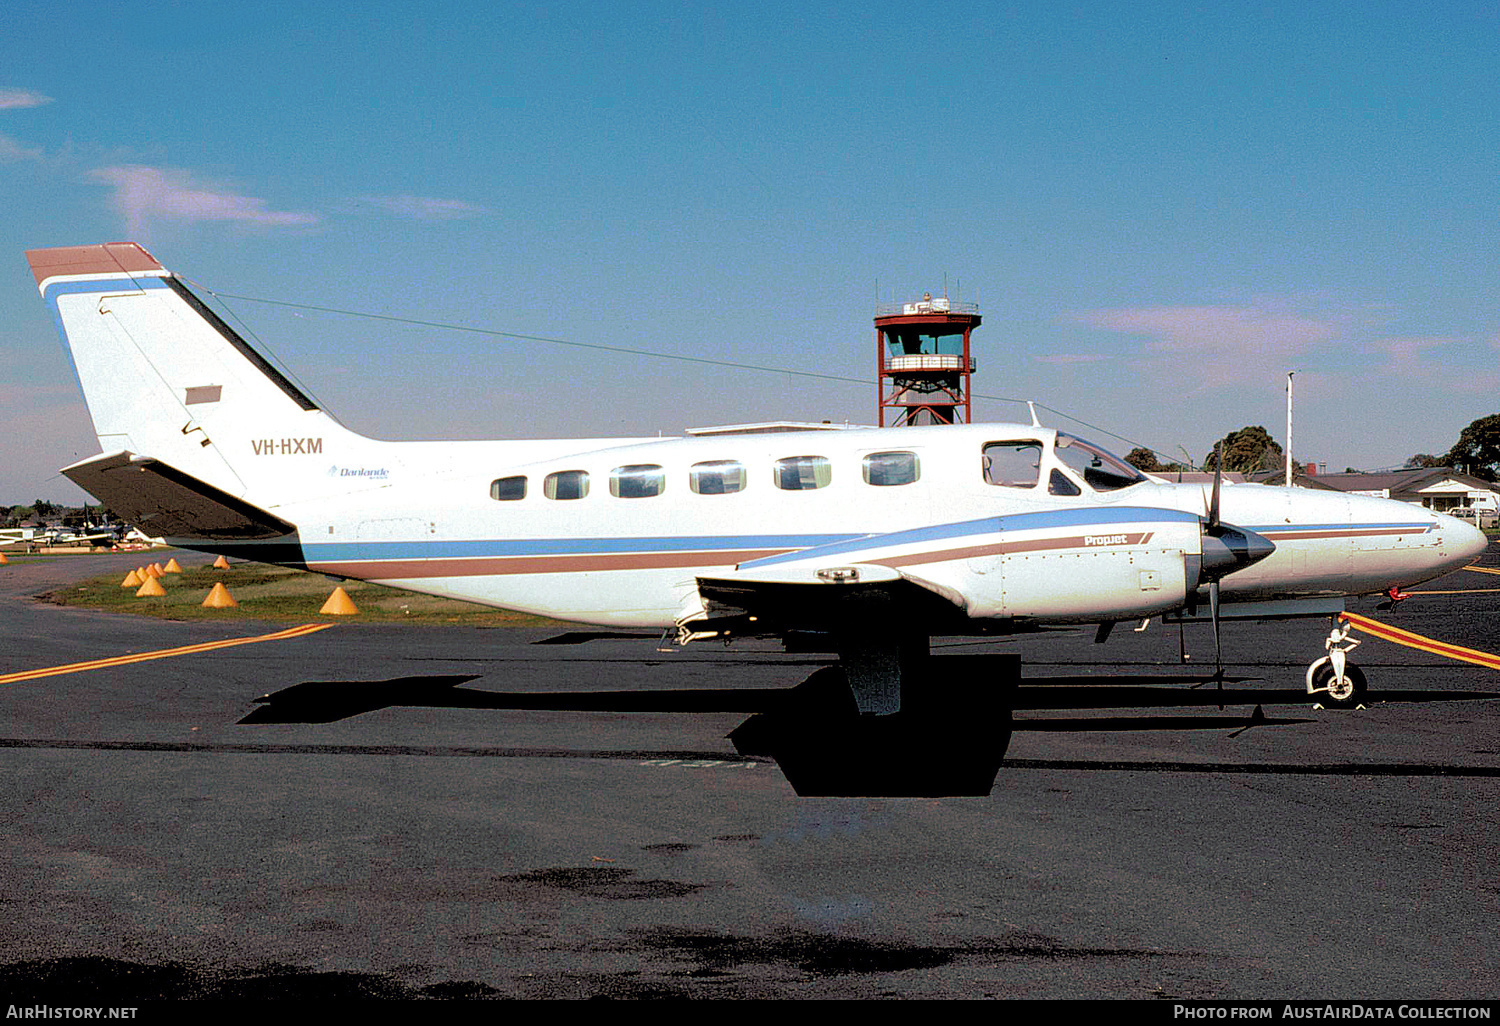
column 992, row 525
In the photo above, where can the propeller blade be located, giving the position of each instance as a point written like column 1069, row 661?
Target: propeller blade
column 1213, row 504
column 1213, row 603
column 1213, row 607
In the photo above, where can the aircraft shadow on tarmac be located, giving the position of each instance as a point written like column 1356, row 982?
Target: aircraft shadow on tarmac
column 328, row 701
column 949, row 742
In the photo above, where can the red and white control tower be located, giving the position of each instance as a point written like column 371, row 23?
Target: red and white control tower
column 923, row 361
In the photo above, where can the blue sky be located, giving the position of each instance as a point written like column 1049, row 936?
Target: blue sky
column 1161, row 208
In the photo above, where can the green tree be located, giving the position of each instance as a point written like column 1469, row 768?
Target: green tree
column 1142, row 458
column 1478, row 448
column 1423, row 461
column 1247, row 450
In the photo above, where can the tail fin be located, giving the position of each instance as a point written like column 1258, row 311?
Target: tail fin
column 166, row 378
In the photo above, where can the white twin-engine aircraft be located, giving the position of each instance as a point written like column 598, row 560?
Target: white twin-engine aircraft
column 878, row 538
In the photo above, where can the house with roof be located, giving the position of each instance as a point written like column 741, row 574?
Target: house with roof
column 1436, row 488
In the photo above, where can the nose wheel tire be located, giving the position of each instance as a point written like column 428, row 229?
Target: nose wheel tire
column 1337, row 694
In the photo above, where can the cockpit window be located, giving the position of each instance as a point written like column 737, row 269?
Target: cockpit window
column 1013, row 464
column 1060, row 484
column 1099, row 469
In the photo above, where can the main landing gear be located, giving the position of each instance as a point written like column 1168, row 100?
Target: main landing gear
column 1336, row 682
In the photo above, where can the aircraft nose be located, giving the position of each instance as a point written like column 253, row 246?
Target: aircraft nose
column 1462, row 538
column 1231, row 548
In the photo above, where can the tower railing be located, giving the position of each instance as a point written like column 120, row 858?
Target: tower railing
column 925, row 306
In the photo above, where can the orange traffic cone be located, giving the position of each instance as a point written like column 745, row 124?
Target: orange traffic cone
column 221, row 563
column 339, row 604
column 152, row 587
column 132, row 580
column 3, row 560
column 172, row 567
column 219, row 598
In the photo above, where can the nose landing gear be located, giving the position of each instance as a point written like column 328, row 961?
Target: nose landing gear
column 1339, row 682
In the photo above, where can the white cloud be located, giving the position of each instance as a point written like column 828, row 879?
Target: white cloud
column 1066, row 358
column 1218, row 329
column 144, row 194
column 1221, row 346
column 12, row 150
column 425, row 208
column 15, row 99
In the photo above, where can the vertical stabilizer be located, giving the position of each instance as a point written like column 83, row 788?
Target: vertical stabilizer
column 165, row 377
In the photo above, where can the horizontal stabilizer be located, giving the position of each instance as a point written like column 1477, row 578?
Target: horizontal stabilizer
column 162, row 501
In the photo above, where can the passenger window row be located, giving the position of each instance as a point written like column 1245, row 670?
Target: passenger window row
column 714, row 477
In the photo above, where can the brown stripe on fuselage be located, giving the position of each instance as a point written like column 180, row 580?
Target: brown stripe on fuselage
column 1292, row 534
column 485, row 566
column 1006, row 548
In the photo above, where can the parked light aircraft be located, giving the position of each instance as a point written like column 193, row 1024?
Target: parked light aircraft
column 878, row 537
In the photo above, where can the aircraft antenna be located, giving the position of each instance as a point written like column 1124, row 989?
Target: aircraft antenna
column 1288, row 459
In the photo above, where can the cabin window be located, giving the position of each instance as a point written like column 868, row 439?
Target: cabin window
column 1013, row 464
column 717, row 477
column 566, row 484
column 508, row 489
column 637, row 481
column 803, row 473
column 1060, row 484
column 891, row 468
column 1099, row 469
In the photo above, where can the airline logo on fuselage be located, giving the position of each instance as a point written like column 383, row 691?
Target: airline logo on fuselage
column 286, row 446
column 370, row 473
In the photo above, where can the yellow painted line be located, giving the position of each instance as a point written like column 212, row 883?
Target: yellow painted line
column 1483, row 570
column 166, row 653
column 1417, row 641
column 1458, row 591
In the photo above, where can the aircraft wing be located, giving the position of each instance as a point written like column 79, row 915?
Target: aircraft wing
column 163, row 501
column 824, row 588
column 821, row 599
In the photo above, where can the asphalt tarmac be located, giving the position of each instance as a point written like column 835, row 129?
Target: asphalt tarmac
column 165, row 836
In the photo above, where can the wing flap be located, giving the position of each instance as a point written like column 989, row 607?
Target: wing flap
column 163, row 501
column 801, row 599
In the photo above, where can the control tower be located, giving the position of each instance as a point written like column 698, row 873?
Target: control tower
column 923, row 362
